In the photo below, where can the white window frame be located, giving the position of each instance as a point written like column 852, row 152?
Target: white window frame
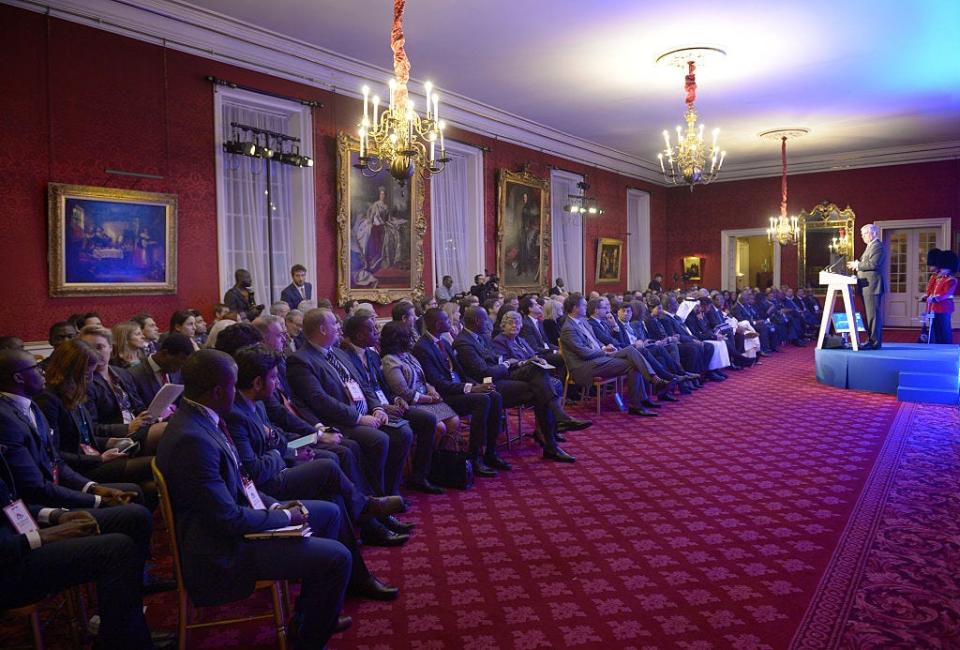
column 638, row 238
column 474, row 226
column 303, row 231
column 557, row 202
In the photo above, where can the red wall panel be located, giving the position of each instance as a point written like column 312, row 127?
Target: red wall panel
column 879, row 193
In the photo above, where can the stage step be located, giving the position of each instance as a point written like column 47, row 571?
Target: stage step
column 928, row 395
column 936, row 380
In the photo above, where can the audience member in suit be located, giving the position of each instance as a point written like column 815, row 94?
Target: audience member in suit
column 586, row 358
column 161, row 367
column 715, row 323
column 150, row 330
column 694, row 353
column 527, row 384
column 768, row 309
column 113, row 399
column 401, row 378
column 293, row 321
column 633, row 332
column 239, row 297
column 326, row 390
column 533, row 332
column 60, row 332
column 262, row 451
column 283, row 414
column 482, row 402
column 807, row 319
column 298, row 290
column 70, row 371
column 215, row 504
column 68, row 549
column 743, row 310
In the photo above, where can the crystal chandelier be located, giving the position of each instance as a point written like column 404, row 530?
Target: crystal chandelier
column 783, row 229
column 689, row 161
column 398, row 138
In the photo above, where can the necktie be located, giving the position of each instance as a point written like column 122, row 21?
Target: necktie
column 303, row 291
column 233, row 448
column 164, row 378
column 446, row 353
column 361, row 405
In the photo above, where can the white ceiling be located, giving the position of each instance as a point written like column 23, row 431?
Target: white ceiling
column 871, row 79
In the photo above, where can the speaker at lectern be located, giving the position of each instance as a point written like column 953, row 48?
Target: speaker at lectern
column 837, row 283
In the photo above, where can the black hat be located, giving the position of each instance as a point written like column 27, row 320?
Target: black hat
column 933, row 257
column 948, row 260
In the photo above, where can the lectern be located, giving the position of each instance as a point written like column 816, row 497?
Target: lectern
column 844, row 284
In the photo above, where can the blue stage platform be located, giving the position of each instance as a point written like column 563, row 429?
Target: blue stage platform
column 912, row 371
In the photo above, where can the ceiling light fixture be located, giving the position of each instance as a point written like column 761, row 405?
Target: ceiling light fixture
column 689, row 162
column 581, row 203
column 398, row 138
column 783, row 229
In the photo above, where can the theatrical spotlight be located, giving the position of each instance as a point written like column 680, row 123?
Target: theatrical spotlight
column 240, row 148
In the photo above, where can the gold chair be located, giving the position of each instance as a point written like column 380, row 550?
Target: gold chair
column 184, row 608
column 31, row 612
column 599, row 384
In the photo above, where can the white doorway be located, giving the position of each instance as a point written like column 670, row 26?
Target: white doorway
column 638, row 239
column 729, row 249
column 907, row 272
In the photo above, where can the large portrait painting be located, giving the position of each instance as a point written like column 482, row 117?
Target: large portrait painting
column 609, row 255
column 523, row 231
column 111, row 242
column 380, row 228
column 692, row 269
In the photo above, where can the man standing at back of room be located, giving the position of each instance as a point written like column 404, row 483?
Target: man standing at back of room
column 871, row 271
column 298, row 290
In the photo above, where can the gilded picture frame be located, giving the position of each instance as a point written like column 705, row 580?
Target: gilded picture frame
column 609, row 260
column 104, row 241
column 380, row 227
column 818, row 228
column 523, row 231
column 692, row 269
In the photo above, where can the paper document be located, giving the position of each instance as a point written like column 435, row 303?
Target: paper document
column 287, row 531
column 166, row 396
column 309, row 439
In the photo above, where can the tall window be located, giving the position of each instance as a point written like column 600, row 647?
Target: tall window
column 244, row 205
column 456, row 217
column 638, row 240
column 566, row 240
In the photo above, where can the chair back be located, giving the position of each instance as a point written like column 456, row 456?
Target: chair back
column 166, row 508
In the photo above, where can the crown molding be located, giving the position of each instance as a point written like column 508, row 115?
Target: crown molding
column 184, row 27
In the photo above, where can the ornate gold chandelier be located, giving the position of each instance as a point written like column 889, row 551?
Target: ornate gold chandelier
column 689, row 161
column 783, row 229
column 398, row 138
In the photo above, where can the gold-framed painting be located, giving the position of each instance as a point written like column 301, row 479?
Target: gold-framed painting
column 104, row 241
column 609, row 260
column 380, row 228
column 523, row 231
column 692, row 269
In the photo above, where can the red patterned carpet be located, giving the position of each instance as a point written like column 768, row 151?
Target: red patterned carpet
column 764, row 512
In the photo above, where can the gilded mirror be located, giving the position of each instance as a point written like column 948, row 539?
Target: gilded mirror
column 826, row 234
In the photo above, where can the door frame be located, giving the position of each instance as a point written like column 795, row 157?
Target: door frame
column 728, row 247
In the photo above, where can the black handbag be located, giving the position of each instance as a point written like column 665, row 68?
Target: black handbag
column 451, row 466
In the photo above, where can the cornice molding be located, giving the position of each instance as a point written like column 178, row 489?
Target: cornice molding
column 184, row 27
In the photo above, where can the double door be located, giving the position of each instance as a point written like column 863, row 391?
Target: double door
column 908, row 275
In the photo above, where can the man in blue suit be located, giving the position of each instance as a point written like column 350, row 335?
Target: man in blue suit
column 298, row 290
column 215, row 504
column 327, row 388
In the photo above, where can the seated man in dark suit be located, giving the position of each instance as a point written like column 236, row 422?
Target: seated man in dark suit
column 743, row 310
column 481, row 402
column 161, row 367
column 633, row 331
column 533, row 333
column 298, row 290
column 215, row 505
column 326, row 390
column 694, row 352
column 265, row 459
column 55, row 549
column 586, row 358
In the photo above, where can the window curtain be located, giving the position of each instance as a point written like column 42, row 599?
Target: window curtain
column 450, row 213
column 566, row 240
column 638, row 242
column 245, row 203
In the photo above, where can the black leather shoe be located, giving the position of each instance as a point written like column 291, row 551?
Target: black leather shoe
column 343, row 624
column 382, row 506
column 376, row 534
column 496, row 462
column 372, row 589
column 573, row 425
column 397, row 526
column 558, row 455
column 641, row 411
column 651, row 405
column 479, row 469
column 424, row 486
column 667, row 397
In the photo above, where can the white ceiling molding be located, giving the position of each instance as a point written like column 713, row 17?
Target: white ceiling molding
column 187, row 28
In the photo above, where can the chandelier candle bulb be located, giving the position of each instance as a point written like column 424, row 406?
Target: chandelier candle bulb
column 393, row 89
column 436, row 109
column 363, row 136
column 443, row 149
column 366, row 98
column 376, row 108
column 428, row 87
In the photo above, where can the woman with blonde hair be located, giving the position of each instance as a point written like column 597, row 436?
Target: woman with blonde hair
column 129, row 345
column 453, row 311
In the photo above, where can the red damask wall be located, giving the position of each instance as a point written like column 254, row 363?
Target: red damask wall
column 76, row 101
column 879, row 193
